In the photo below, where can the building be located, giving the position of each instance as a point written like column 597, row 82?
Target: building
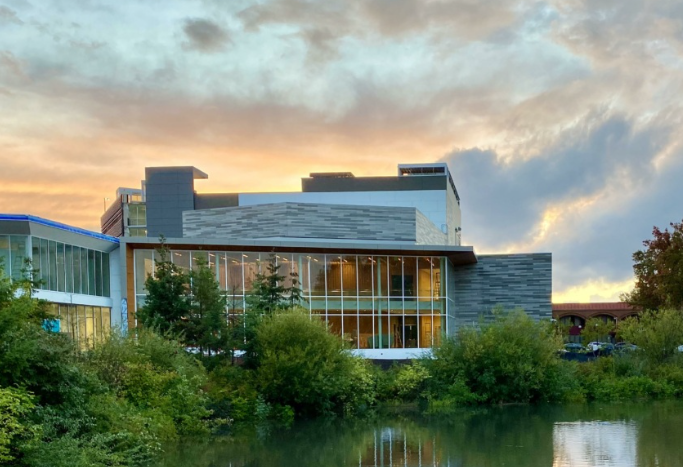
column 79, row 272
column 379, row 259
column 575, row 315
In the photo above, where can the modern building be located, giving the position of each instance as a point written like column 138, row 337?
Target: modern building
column 379, row 259
column 79, row 272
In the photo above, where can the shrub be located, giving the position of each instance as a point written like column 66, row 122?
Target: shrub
column 657, row 334
column 301, row 364
column 15, row 428
column 510, row 359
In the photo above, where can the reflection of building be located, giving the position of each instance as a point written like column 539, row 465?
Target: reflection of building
column 78, row 271
column 379, row 258
column 575, row 315
column 595, row 443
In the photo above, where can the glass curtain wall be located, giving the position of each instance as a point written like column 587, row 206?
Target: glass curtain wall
column 86, row 325
column 373, row 302
column 13, row 254
column 66, row 268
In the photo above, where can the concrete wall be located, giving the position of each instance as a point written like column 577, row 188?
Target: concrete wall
column 433, row 204
column 512, row 281
column 427, row 233
column 303, row 221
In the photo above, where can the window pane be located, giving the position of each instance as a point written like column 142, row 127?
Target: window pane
column 284, row 260
column 98, row 273
column 106, row 321
column 365, row 332
column 53, row 265
column 349, row 280
column 18, row 255
column 144, row 267
column 89, row 326
column 182, row 259
column 396, row 334
column 365, row 275
column 234, row 273
column 81, row 328
column 198, row 256
column 92, row 273
column 69, row 268
column 334, row 325
column 84, row 271
column 333, row 273
column 45, row 264
column 381, row 287
column 396, row 276
column 77, row 269
column 424, row 277
column 410, row 331
column 382, row 332
column 61, row 268
column 315, row 271
column 221, row 272
column 5, row 262
column 35, row 258
column 105, row 275
column 409, row 275
column 351, row 331
column 436, row 277
column 251, row 268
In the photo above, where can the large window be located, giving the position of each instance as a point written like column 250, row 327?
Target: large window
column 373, row 302
column 13, row 255
column 87, row 325
column 68, row 268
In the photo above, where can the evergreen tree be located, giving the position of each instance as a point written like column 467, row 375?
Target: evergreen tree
column 208, row 323
column 269, row 294
column 167, row 303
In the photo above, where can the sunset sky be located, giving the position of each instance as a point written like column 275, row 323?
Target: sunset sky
column 560, row 119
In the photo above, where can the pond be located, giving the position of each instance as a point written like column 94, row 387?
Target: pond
column 620, row 435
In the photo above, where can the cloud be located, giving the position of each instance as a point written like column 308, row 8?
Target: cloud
column 590, row 198
column 9, row 15
column 205, row 35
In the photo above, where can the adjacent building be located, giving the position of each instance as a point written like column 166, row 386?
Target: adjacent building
column 379, row 259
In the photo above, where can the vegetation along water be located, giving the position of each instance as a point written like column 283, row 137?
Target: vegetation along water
column 272, row 386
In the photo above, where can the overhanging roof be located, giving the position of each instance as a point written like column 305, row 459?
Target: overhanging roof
column 458, row 255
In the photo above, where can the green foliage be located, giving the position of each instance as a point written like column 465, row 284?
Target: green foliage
column 403, row 383
column 597, row 329
column 511, row 359
column 269, row 294
column 659, row 271
column 657, row 334
column 302, row 365
column 16, row 428
column 207, row 325
column 167, row 302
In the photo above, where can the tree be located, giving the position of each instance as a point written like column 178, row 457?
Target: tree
column 167, row 302
column 596, row 329
column 208, row 322
column 657, row 333
column 269, row 294
column 659, row 271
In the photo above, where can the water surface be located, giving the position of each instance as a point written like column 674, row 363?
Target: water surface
column 624, row 435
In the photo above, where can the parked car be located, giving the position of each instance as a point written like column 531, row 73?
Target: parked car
column 625, row 347
column 602, row 347
column 574, row 347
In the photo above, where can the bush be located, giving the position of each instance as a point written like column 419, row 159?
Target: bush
column 511, row 359
column 657, row 334
column 15, row 428
column 302, row 365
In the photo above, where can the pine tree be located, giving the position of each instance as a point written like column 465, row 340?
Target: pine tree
column 208, row 323
column 167, row 303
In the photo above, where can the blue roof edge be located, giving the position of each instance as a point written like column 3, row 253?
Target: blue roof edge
column 58, row 225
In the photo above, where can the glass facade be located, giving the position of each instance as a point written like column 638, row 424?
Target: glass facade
column 13, row 254
column 68, row 268
column 374, row 302
column 87, row 325
column 137, row 220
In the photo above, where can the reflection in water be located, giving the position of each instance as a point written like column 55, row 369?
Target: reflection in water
column 588, row 435
column 595, row 444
